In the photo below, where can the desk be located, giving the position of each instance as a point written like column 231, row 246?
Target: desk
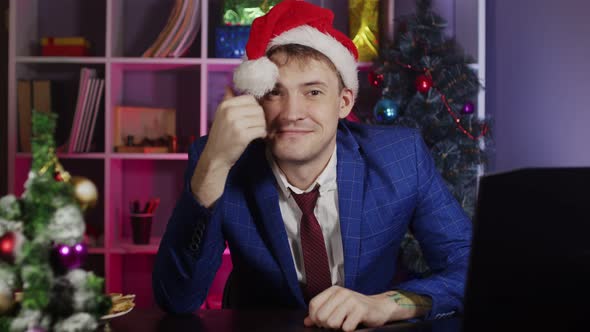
column 148, row 320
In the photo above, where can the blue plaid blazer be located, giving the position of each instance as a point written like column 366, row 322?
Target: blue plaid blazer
column 387, row 184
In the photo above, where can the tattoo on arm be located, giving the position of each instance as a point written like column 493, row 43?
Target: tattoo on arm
column 410, row 300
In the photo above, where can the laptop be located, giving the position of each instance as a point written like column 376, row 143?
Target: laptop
column 530, row 259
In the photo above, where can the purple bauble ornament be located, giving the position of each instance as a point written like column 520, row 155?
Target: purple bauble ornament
column 71, row 257
column 468, row 108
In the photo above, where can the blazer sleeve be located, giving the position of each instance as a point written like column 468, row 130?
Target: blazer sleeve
column 444, row 232
column 190, row 251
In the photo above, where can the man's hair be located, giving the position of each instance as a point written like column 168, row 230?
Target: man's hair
column 301, row 53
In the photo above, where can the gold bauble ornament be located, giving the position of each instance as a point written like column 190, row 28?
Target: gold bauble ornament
column 85, row 192
column 6, row 302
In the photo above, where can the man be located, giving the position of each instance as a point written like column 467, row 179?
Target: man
column 313, row 207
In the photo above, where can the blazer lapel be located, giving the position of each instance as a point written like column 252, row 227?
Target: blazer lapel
column 263, row 185
column 350, row 178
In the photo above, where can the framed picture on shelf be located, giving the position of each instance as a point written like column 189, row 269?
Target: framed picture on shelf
column 144, row 129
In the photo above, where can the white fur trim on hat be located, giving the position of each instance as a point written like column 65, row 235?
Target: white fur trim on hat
column 327, row 45
column 256, row 77
column 259, row 76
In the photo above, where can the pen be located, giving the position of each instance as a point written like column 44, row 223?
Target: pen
column 155, row 203
column 146, row 208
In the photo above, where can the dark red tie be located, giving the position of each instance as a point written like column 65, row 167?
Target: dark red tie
column 315, row 258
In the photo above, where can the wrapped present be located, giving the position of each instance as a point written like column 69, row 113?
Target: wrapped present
column 230, row 41
column 364, row 27
column 243, row 12
column 64, row 46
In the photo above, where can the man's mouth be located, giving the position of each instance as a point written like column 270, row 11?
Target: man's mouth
column 293, row 132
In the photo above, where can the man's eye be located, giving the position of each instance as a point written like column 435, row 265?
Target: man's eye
column 272, row 93
column 315, row 92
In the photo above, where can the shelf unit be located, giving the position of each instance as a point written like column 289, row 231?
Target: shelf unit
column 120, row 30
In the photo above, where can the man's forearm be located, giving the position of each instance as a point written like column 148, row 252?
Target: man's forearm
column 208, row 181
column 408, row 305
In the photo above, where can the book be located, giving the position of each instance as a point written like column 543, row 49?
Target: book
column 188, row 36
column 92, row 88
column 85, row 75
column 95, row 111
column 24, row 106
column 63, row 41
column 42, row 96
column 173, row 20
column 180, row 31
column 63, row 103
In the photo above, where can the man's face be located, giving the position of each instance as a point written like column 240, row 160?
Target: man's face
column 303, row 110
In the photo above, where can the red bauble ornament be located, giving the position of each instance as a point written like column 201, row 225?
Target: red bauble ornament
column 376, row 79
column 423, row 83
column 7, row 246
column 57, row 176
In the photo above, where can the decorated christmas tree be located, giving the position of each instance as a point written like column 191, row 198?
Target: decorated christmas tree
column 426, row 82
column 42, row 284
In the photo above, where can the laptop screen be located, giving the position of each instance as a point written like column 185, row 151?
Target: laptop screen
column 530, row 256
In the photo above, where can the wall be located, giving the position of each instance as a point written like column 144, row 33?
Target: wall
column 537, row 82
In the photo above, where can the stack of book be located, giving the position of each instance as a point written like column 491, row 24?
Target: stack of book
column 87, row 107
column 77, row 114
column 179, row 32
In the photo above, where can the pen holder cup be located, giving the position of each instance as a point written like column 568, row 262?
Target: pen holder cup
column 141, row 227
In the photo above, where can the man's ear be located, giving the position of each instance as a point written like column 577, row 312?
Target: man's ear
column 346, row 102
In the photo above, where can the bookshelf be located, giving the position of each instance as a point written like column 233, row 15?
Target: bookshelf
column 120, row 30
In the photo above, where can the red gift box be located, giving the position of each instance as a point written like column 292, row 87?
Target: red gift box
column 64, row 46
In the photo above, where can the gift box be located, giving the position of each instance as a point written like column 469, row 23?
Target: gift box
column 243, row 12
column 64, row 46
column 230, row 41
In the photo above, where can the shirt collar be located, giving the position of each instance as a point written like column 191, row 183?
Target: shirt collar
column 326, row 179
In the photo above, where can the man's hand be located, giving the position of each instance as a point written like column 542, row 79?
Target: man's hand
column 238, row 121
column 341, row 308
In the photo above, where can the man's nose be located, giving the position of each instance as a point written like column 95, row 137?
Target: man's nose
column 293, row 108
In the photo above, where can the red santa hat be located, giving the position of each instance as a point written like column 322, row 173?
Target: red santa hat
column 294, row 22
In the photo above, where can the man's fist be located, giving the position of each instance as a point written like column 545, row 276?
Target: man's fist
column 341, row 308
column 238, row 121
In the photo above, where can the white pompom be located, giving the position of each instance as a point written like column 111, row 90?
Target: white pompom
column 256, row 77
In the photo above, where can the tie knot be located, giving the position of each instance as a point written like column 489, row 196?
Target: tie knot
column 306, row 201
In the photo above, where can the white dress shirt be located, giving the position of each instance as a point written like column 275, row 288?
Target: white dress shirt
column 326, row 212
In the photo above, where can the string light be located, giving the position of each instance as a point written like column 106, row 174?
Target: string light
column 457, row 120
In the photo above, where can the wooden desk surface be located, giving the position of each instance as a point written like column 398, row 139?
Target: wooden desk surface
column 147, row 320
